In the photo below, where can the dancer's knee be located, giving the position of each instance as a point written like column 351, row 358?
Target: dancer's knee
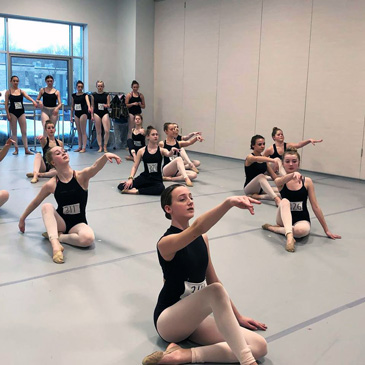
column 284, row 203
column 192, row 175
column 259, row 349
column 4, row 196
column 217, row 291
column 47, row 208
column 300, row 232
column 86, row 238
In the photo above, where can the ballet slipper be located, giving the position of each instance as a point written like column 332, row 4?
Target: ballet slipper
column 83, row 150
column 34, row 180
column 58, row 257
column 105, row 150
column 129, row 158
column 193, row 168
column 27, row 152
column 29, row 174
column 100, row 150
column 266, row 226
column 157, row 356
column 15, row 152
column 290, row 242
column 78, row 150
column 188, row 182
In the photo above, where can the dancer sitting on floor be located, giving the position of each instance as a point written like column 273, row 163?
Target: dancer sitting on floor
column 255, row 167
column 150, row 181
column 292, row 218
column 277, row 150
column 192, row 290
column 174, row 168
column 189, row 164
column 138, row 139
column 67, row 223
column 41, row 168
column 4, row 195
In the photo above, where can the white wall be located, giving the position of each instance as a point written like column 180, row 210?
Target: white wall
column 236, row 68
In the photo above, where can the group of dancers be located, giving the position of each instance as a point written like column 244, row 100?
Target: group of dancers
column 191, row 289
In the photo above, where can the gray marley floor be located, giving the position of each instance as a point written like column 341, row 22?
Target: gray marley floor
column 97, row 307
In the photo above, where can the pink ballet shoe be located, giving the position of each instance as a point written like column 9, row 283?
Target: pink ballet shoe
column 157, row 356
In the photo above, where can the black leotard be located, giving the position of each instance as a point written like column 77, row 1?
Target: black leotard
column 135, row 109
column 254, row 169
column 298, row 202
column 167, row 160
column 150, row 181
column 276, row 153
column 80, row 104
column 16, row 104
column 99, row 101
column 186, row 270
column 49, row 100
column 71, row 199
column 179, row 138
column 45, row 149
column 136, row 142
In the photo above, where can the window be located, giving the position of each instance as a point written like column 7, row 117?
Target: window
column 2, row 34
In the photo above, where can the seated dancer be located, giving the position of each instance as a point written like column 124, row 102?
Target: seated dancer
column 138, row 138
column 277, row 150
column 4, row 195
column 188, row 163
column 174, row 168
column 150, row 181
column 192, row 290
column 292, row 218
column 67, row 223
column 255, row 167
column 41, row 167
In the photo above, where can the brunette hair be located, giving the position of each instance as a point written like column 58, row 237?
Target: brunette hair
column 11, row 79
column 139, row 115
column 274, row 131
column 254, row 139
column 48, row 77
column 48, row 122
column 150, row 128
column 166, row 198
column 166, row 126
column 80, row 82
column 134, row 82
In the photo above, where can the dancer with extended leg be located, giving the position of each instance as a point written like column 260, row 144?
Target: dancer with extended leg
column 15, row 112
column 192, row 290
column 292, row 216
column 68, row 222
column 150, row 181
column 255, row 167
column 41, row 168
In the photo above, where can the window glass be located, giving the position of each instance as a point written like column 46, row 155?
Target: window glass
column 77, row 40
column 2, row 34
column 46, row 38
column 78, row 74
column 32, row 71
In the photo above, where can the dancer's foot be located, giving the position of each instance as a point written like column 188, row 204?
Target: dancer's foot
column 83, row 150
column 34, row 180
column 27, row 152
column 29, row 174
column 188, row 182
column 277, row 201
column 100, row 150
column 105, row 149
column 172, row 355
column 290, row 242
column 129, row 158
column 16, row 151
column 78, row 150
column 58, row 257
column 130, row 191
column 266, row 227
column 193, row 168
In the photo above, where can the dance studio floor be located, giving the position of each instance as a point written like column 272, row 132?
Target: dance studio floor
column 97, row 308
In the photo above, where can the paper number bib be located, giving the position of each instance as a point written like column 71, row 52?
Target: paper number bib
column 71, row 209
column 18, row 105
column 77, row 106
column 191, row 288
column 100, row 106
column 296, row 206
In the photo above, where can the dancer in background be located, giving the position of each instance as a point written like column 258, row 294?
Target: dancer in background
column 100, row 116
column 67, row 223
column 14, row 108
column 135, row 103
column 292, row 218
column 81, row 105
column 51, row 104
column 256, row 166
column 138, row 139
column 41, row 168
column 192, row 290
column 277, row 150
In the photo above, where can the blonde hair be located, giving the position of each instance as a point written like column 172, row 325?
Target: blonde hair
column 291, row 151
column 99, row 82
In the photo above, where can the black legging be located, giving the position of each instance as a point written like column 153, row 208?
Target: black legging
column 131, row 146
column 146, row 186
